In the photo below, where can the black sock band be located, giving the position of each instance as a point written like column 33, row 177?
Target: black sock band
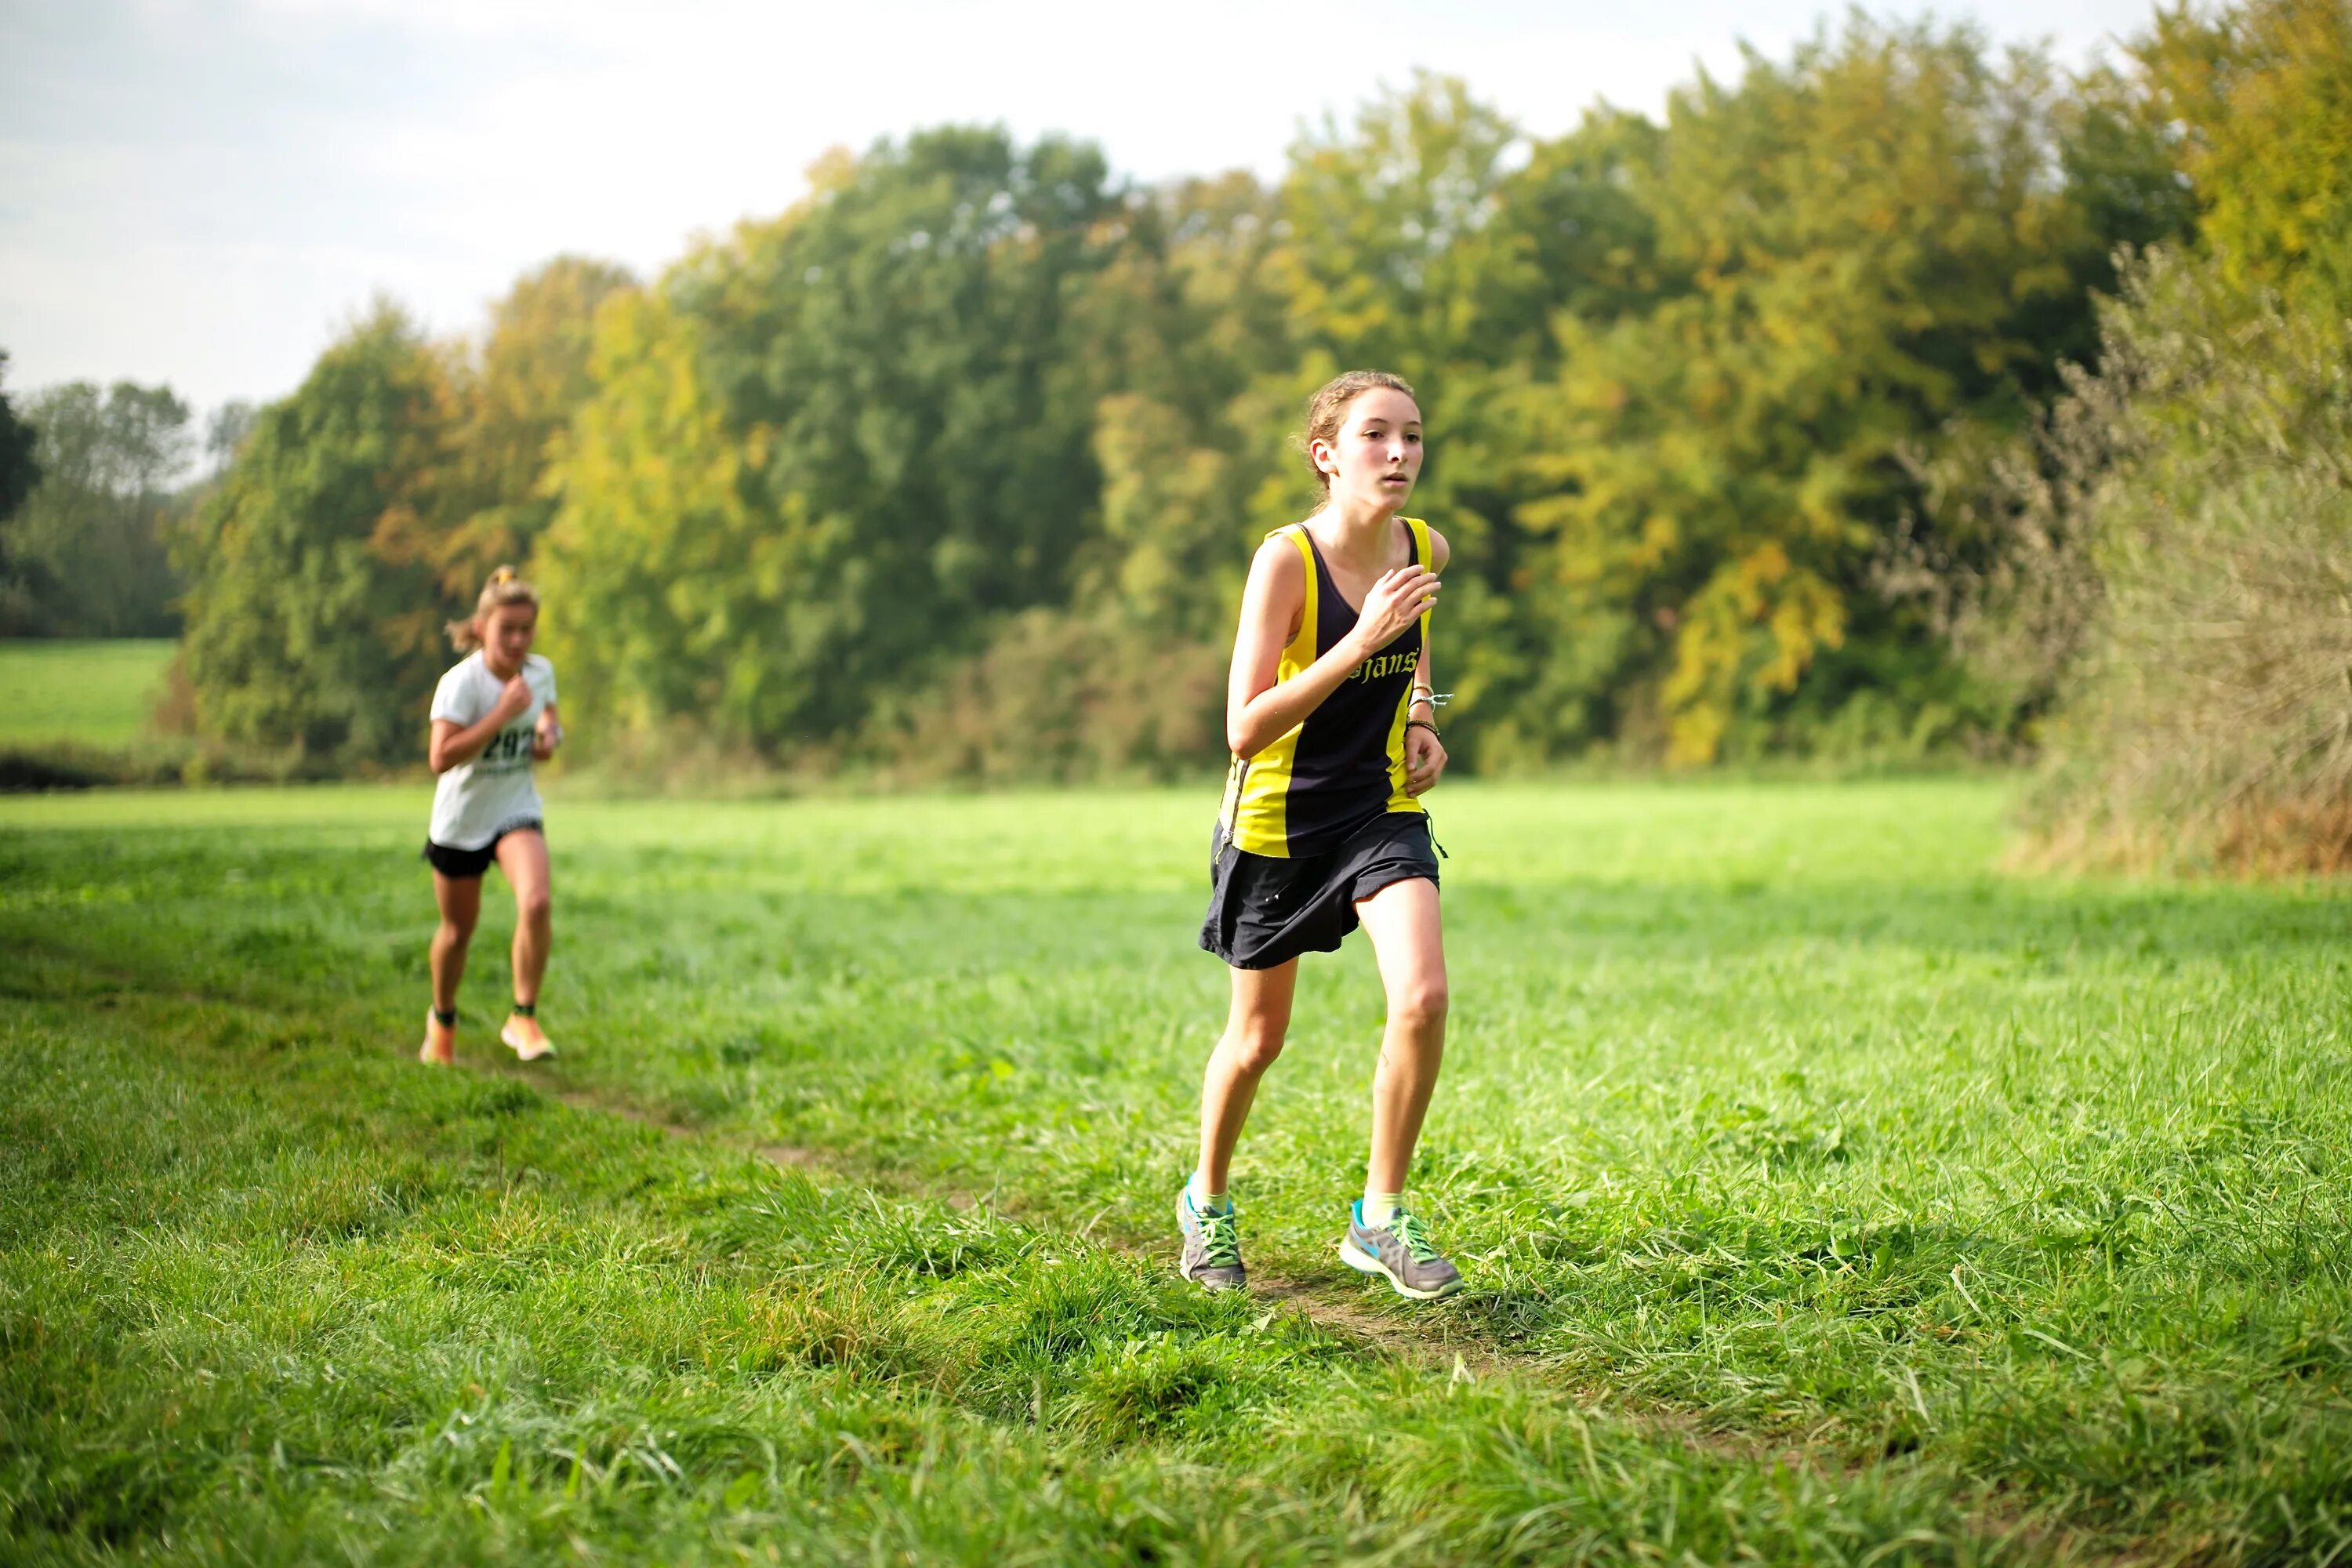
column 446, row 1016
column 526, row 1009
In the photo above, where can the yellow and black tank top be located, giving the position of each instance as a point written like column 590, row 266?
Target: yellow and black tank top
column 1344, row 764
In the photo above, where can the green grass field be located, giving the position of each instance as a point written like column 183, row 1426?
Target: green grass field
column 89, row 693
column 1827, row 1197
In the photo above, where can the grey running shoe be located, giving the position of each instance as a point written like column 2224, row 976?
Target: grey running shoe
column 1213, row 1244
column 1401, row 1251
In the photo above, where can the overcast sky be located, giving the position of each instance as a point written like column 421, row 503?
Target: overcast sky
column 202, row 193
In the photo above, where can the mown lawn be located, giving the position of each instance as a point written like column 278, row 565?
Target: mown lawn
column 1827, row 1196
column 88, row 693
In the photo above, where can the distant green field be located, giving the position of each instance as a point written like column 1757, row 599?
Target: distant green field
column 91, row 693
column 1826, row 1197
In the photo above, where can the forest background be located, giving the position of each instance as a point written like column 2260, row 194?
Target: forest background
column 1904, row 400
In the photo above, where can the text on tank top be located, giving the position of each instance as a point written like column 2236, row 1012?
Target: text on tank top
column 1344, row 763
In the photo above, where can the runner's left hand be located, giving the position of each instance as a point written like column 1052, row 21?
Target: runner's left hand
column 1424, row 760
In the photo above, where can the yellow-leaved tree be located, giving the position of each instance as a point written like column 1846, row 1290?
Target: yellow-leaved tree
column 1857, row 247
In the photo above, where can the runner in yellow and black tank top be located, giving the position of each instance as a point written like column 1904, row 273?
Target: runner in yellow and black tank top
column 1324, row 816
column 1345, row 762
column 1333, row 729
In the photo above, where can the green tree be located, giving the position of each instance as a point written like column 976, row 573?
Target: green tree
column 20, row 467
column 2263, row 93
column 1430, row 237
column 1396, row 257
column 302, row 633
column 1179, row 332
column 226, row 429
column 20, row 471
column 1414, row 247
column 663, row 584
column 1174, row 336
column 1874, row 245
column 2118, row 151
column 868, row 476
column 519, row 397
column 893, row 368
column 509, row 404
column 85, row 552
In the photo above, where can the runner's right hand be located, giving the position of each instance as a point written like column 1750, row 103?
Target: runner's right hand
column 514, row 698
column 1396, row 601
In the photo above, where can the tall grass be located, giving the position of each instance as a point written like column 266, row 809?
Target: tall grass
column 1826, row 1196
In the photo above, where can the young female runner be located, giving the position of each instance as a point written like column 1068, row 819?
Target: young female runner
column 1331, row 722
column 493, row 716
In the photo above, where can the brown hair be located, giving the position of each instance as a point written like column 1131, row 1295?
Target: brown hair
column 503, row 588
column 1329, row 406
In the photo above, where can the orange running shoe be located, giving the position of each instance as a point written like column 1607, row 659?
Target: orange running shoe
column 440, row 1048
column 528, row 1041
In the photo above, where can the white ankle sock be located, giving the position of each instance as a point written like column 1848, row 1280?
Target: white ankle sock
column 1382, row 1207
column 1204, row 1200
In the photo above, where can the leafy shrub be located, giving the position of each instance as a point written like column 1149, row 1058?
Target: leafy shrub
column 2163, row 568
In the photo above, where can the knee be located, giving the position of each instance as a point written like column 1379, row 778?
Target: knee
column 1254, row 1045
column 1419, row 1004
column 454, row 932
column 535, row 906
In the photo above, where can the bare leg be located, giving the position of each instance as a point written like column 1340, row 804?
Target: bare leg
column 1402, row 919
column 523, row 857
column 1253, row 1038
column 461, row 905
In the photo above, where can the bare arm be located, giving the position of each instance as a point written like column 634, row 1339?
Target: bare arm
column 1260, row 708
column 1424, row 679
column 548, row 735
column 1424, row 755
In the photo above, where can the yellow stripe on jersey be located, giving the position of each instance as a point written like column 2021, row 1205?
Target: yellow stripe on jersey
column 1257, row 797
column 1398, row 799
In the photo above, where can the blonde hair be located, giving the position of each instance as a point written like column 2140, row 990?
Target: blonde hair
column 1328, row 406
column 503, row 588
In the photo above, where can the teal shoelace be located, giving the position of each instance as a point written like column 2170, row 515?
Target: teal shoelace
column 1415, row 1237
column 1220, row 1237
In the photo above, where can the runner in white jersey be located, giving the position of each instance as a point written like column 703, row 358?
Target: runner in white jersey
column 493, row 716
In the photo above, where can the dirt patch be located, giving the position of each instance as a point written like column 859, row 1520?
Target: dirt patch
column 1346, row 1308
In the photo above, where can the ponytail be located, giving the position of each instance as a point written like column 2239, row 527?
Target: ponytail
column 503, row 588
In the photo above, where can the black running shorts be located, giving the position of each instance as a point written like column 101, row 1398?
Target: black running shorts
column 1263, row 912
column 466, row 864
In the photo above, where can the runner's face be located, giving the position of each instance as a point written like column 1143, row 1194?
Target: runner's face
column 507, row 631
column 1376, row 455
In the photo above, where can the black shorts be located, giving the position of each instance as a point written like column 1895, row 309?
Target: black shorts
column 1263, row 911
column 464, row 865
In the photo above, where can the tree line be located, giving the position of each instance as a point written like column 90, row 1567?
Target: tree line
column 2156, row 572
column 93, row 481
column 955, row 466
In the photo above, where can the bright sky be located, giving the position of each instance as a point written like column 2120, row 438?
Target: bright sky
column 203, row 194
